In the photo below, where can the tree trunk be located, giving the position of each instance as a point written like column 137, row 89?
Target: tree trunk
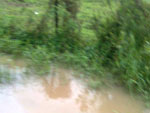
column 56, row 16
column 71, row 7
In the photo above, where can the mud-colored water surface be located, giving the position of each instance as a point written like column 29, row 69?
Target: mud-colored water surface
column 60, row 92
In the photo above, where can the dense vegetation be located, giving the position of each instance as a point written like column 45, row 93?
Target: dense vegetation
column 95, row 36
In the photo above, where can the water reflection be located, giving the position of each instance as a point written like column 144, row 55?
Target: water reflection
column 87, row 101
column 62, row 93
column 10, row 75
column 57, row 86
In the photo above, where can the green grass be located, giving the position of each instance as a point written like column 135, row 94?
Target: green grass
column 87, row 11
column 23, row 11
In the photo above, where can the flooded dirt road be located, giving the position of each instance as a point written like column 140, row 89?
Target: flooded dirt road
column 60, row 92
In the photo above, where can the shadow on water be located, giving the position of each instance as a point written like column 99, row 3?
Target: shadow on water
column 58, row 90
column 61, row 92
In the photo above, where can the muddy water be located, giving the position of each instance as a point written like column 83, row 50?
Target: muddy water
column 60, row 92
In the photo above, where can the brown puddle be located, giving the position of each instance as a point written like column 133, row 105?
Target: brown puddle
column 62, row 93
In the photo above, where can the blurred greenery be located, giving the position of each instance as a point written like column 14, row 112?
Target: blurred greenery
column 93, row 36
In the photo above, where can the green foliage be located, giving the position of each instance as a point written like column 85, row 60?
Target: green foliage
column 10, row 46
column 95, row 84
column 39, row 59
column 67, row 38
column 123, row 42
